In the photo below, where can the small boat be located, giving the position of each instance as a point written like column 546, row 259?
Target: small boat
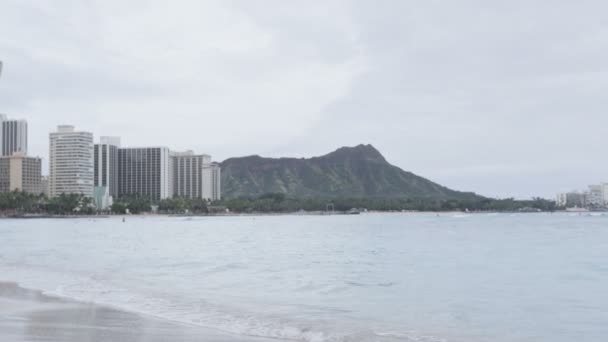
column 353, row 211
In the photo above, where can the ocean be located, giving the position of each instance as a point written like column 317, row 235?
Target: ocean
column 370, row 277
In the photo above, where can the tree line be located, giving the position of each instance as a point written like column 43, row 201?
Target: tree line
column 17, row 203
column 278, row 202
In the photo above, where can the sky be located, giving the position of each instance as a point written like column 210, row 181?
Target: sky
column 506, row 99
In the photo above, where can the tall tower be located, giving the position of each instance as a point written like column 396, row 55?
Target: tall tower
column 189, row 174
column 14, row 137
column 2, row 119
column 145, row 171
column 216, row 175
column 71, row 162
column 106, row 164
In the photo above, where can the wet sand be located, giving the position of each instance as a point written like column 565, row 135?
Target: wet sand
column 27, row 315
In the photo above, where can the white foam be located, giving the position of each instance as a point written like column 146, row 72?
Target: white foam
column 196, row 312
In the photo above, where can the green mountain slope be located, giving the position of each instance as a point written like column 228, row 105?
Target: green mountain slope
column 359, row 171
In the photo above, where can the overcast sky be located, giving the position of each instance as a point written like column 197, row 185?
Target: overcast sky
column 501, row 98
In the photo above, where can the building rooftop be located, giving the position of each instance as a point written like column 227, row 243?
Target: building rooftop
column 65, row 128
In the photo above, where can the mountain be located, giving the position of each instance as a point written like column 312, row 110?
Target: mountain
column 359, row 171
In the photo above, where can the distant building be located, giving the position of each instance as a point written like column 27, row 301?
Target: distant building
column 561, row 200
column 102, row 198
column 3, row 118
column 594, row 197
column 106, row 164
column 216, row 174
column 145, row 172
column 20, row 173
column 576, row 199
column 44, row 185
column 13, row 136
column 71, row 162
column 193, row 176
column 604, row 187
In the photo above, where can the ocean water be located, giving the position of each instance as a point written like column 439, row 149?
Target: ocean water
column 370, row 277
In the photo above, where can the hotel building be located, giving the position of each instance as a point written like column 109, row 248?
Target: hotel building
column 145, row 172
column 13, row 136
column 71, row 162
column 106, row 164
column 216, row 180
column 20, row 173
column 193, row 176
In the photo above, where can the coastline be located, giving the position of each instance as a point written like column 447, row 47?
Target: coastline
column 296, row 213
column 30, row 315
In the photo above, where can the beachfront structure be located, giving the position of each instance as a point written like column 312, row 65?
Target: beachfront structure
column 216, row 176
column 605, row 193
column 20, row 173
column 106, row 164
column 594, row 196
column 71, row 162
column 189, row 176
column 101, row 198
column 2, row 119
column 44, row 185
column 145, row 172
column 13, row 136
column 561, row 199
column 193, row 176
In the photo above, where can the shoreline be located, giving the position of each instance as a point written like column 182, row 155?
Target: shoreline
column 310, row 213
column 31, row 315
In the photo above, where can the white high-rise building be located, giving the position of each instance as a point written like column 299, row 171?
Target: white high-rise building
column 106, row 164
column 595, row 196
column 71, row 162
column 216, row 176
column 193, row 176
column 13, row 136
column 604, row 187
column 106, row 171
column 2, row 119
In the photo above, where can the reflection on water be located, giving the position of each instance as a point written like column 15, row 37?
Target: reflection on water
column 31, row 316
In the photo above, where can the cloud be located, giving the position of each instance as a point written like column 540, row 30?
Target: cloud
column 504, row 99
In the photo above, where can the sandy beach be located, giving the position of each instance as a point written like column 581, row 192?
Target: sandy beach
column 27, row 315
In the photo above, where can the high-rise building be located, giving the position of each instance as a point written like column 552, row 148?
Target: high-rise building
column 595, row 196
column 216, row 176
column 145, row 172
column 20, row 173
column 71, row 162
column 106, row 164
column 2, row 119
column 193, row 176
column 188, row 176
column 13, row 138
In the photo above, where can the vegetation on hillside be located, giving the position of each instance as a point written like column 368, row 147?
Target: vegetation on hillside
column 280, row 203
column 349, row 172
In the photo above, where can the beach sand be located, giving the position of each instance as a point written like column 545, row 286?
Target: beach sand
column 27, row 315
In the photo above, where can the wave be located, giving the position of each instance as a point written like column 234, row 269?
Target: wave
column 146, row 300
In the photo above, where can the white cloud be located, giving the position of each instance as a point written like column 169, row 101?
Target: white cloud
column 464, row 93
